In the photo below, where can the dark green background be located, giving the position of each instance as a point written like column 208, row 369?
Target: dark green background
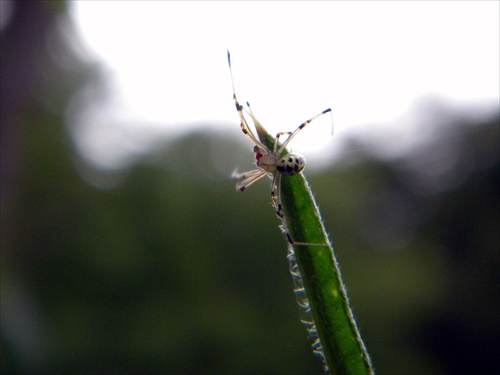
column 169, row 270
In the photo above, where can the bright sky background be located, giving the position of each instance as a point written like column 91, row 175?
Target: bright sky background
column 369, row 61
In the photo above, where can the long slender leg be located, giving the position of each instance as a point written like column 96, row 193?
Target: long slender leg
column 245, row 175
column 243, row 123
column 275, row 194
column 276, row 200
column 248, row 178
column 276, row 141
column 301, row 126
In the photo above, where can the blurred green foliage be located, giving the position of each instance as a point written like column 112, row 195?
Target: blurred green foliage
column 171, row 271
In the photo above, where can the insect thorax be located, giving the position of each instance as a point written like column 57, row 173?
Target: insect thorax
column 291, row 164
column 266, row 162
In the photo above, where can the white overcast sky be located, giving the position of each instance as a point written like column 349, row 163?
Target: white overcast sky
column 369, row 61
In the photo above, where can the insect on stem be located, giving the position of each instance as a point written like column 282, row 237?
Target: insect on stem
column 269, row 162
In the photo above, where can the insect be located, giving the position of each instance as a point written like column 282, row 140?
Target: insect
column 273, row 163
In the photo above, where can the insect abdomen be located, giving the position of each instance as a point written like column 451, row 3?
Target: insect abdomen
column 291, row 164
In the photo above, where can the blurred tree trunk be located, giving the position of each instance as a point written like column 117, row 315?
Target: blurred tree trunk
column 23, row 43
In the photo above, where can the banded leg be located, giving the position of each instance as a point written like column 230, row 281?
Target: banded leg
column 277, row 139
column 301, row 126
column 276, row 195
column 239, row 108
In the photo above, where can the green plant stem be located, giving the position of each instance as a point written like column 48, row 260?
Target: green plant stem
column 344, row 350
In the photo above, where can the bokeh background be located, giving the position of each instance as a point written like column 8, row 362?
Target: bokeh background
column 154, row 264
